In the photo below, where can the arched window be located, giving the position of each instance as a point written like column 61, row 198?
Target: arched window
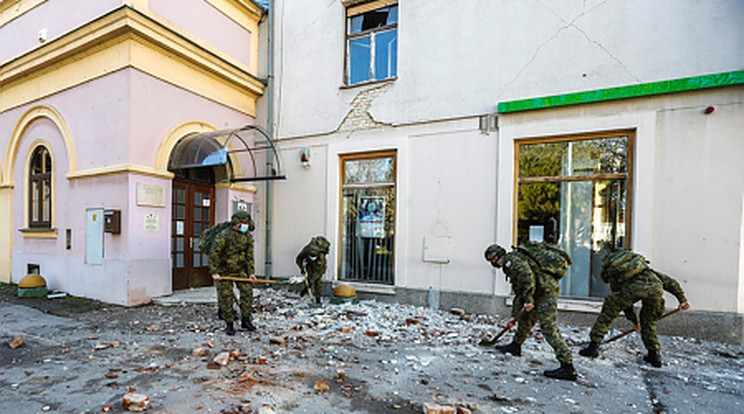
column 40, row 189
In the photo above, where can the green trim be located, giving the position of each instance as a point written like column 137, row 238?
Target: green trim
column 625, row 92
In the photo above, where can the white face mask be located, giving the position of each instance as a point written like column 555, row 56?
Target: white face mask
column 243, row 228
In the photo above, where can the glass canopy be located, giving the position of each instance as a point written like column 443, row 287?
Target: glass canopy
column 247, row 153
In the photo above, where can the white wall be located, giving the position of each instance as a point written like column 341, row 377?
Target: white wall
column 687, row 189
column 459, row 60
column 462, row 58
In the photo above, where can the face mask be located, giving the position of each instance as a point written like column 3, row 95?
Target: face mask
column 243, row 228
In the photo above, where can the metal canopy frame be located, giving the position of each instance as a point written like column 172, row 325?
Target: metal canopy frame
column 229, row 147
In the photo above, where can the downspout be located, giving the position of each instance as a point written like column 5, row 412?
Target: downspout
column 270, row 133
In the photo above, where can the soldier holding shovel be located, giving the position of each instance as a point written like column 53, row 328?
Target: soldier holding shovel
column 536, row 293
column 632, row 280
column 232, row 257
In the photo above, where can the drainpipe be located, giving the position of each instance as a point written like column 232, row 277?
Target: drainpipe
column 270, row 132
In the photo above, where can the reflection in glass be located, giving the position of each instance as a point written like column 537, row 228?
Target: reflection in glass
column 386, row 47
column 571, row 158
column 585, row 218
column 375, row 170
column 359, row 59
column 368, row 237
column 368, row 220
column 584, row 215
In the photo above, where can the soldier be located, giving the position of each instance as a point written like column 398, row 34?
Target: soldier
column 632, row 280
column 232, row 255
column 535, row 290
column 312, row 260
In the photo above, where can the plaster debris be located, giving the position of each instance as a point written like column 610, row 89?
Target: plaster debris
column 15, row 343
column 135, row 402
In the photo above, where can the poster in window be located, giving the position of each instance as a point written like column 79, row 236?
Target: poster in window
column 372, row 217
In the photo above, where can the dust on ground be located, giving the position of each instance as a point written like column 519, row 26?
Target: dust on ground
column 83, row 356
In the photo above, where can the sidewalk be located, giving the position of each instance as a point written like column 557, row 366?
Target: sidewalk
column 193, row 296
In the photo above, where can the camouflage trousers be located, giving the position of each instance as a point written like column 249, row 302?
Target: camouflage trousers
column 226, row 298
column 651, row 295
column 545, row 312
column 315, row 280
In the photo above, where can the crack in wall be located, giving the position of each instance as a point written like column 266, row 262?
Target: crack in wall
column 567, row 25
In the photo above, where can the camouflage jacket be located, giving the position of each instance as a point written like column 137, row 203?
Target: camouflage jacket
column 232, row 254
column 650, row 277
column 527, row 283
column 311, row 260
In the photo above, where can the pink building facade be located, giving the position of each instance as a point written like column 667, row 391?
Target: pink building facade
column 94, row 98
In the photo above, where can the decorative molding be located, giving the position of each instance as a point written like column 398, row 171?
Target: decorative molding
column 15, row 139
column 39, row 233
column 175, row 135
column 625, row 92
column 127, row 38
column 120, row 169
column 236, row 187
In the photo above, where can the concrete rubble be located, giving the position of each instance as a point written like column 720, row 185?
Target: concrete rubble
column 369, row 357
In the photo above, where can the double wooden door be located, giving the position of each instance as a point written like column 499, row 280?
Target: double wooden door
column 193, row 213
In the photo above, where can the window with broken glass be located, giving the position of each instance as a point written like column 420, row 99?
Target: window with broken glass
column 576, row 193
column 367, row 218
column 40, row 189
column 371, row 42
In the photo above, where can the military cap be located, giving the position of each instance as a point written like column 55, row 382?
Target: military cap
column 494, row 251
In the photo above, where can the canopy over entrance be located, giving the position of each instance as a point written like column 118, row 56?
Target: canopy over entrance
column 247, row 153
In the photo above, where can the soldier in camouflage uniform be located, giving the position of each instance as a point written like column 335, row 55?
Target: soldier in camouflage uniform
column 632, row 280
column 533, row 289
column 312, row 260
column 232, row 256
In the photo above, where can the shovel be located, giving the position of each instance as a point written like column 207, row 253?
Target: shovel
column 291, row 281
column 630, row 331
column 492, row 341
column 309, row 289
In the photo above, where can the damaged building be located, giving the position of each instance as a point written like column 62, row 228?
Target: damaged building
column 411, row 133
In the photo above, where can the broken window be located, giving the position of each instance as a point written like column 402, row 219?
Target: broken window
column 372, row 42
column 575, row 193
column 40, row 189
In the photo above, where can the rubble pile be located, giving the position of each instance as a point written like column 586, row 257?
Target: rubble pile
column 368, row 357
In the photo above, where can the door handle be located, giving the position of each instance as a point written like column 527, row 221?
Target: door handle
column 191, row 243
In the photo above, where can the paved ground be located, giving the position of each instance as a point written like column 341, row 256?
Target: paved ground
column 81, row 356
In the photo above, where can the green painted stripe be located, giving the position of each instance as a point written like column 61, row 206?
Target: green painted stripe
column 625, row 92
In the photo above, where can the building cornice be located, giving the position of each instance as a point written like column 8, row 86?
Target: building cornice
column 127, row 38
column 120, row 169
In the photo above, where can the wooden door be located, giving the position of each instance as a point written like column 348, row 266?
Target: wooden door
column 193, row 213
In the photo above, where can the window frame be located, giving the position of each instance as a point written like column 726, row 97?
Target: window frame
column 628, row 175
column 372, row 33
column 40, row 179
column 343, row 158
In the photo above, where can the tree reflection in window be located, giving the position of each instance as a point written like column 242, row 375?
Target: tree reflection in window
column 574, row 193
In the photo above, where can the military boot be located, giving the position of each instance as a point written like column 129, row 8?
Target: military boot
column 591, row 351
column 246, row 323
column 565, row 372
column 653, row 358
column 229, row 330
column 512, row 348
